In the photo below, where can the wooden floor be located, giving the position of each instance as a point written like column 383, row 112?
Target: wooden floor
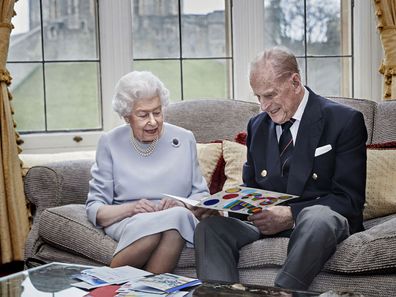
column 9, row 268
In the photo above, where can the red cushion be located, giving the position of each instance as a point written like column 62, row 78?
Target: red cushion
column 241, row 137
column 384, row 145
column 218, row 177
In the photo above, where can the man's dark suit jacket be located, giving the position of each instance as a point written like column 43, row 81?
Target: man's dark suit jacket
column 336, row 178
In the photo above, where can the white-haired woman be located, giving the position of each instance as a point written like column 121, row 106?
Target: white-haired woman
column 135, row 164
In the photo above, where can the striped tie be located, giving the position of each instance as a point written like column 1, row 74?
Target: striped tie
column 286, row 147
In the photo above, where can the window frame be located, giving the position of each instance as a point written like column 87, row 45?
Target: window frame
column 115, row 41
column 115, row 44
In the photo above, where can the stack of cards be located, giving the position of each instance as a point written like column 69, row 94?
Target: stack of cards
column 166, row 284
column 103, row 276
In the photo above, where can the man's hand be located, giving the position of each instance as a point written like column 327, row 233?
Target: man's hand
column 166, row 203
column 200, row 212
column 273, row 219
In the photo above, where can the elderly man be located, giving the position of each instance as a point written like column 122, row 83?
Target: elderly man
column 302, row 144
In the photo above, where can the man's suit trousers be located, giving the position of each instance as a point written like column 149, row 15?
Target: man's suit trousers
column 314, row 239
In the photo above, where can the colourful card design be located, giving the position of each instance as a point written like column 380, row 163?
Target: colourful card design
column 240, row 199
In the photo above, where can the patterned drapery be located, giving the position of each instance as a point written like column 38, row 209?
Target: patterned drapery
column 385, row 11
column 14, row 223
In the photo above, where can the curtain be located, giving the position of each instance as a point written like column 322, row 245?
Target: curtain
column 14, row 223
column 386, row 17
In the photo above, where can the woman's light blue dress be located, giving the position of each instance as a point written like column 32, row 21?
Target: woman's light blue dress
column 121, row 175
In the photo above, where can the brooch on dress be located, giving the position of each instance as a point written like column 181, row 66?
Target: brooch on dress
column 175, row 142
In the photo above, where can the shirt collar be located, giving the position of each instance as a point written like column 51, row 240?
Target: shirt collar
column 301, row 107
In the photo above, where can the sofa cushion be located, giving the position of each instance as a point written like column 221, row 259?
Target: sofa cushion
column 67, row 228
column 380, row 183
column 361, row 253
column 366, row 107
column 234, row 155
column 264, row 253
column 384, row 122
column 211, row 120
column 209, row 155
column 219, row 177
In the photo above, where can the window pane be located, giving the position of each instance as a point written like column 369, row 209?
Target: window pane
column 69, row 30
column 25, row 41
column 167, row 71
column 155, row 29
column 206, row 79
column 326, row 31
column 204, row 29
column 301, row 64
column 336, row 70
column 72, row 96
column 28, row 96
column 284, row 24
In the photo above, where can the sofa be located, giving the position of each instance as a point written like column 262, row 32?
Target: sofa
column 364, row 263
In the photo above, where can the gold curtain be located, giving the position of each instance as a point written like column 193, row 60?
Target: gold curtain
column 14, row 224
column 386, row 16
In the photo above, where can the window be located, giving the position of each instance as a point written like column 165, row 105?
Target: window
column 54, row 61
column 64, row 68
column 318, row 32
column 187, row 44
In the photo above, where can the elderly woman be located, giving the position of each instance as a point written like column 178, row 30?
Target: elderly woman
column 135, row 165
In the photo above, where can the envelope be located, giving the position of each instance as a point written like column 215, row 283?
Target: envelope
column 322, row 150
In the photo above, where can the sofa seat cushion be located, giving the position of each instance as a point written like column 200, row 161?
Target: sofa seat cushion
column 68, row 228
column 264, row 253
column 187, row 258
column 367, row 252
column 370, row 251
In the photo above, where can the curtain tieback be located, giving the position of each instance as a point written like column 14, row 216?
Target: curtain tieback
column 7, row 25
column 5, row 76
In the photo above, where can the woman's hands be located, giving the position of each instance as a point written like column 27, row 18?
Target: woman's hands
column 199, row 212
column 145, row 205
column 166, row 203
column 110, row 214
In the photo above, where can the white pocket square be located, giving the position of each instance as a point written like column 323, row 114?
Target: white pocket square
column 322, row 150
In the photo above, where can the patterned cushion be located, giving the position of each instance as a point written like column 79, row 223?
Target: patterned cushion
column 380, row 183
column 234, row 155
column 218, row 178
column 209, row 155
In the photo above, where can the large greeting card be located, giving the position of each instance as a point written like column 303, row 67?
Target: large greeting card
column 239, row 199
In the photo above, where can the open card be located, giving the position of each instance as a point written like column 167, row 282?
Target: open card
column 239, row 199
column 168, row 282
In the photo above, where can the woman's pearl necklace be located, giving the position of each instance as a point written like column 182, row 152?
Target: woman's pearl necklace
column 144, row 151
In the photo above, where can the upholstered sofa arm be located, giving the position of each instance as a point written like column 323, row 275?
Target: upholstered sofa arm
column 368, row 251
column 57, row 184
